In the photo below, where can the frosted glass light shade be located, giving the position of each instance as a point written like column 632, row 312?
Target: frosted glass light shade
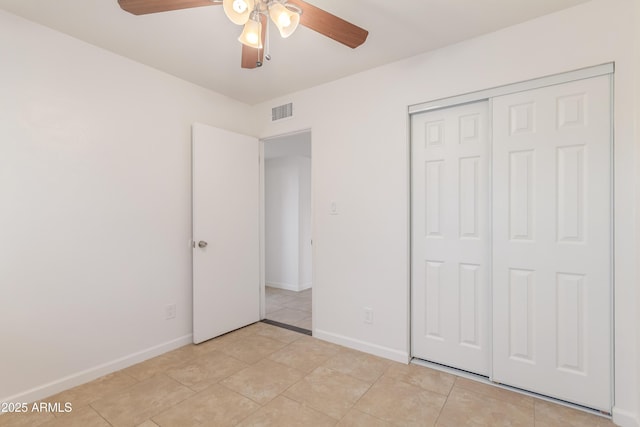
column 238, row 11
column 252, row 34
column 286, row 20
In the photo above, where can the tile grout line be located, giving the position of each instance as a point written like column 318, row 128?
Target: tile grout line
column 435, row 423
column 368, row 389
column 353, row 407
column 306, row 405
column 260, row 406
column 100, row 415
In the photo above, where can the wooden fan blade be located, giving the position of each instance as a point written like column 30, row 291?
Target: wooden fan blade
column 330, row 25
column 252, row 56
column 143, row 7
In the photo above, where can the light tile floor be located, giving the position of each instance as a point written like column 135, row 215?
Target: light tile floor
column 292, row 308
column 263, row 375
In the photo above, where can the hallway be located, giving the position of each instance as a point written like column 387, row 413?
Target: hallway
column 289, row 307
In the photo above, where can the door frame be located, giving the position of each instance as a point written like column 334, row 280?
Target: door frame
column 262, row 226
column 607, row 69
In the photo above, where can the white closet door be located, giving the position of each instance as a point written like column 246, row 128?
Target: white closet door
column 450, row 237
column 552, row 241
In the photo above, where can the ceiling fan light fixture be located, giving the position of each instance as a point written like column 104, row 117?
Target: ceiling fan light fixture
column 238, row 11
column 252, row 32
column 284, row 18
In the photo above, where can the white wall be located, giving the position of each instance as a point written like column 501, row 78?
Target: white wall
column 94, row 186
column 95, row 216
column 360, row 159
column 287, row 219
column 281, row 219
column 636, row 235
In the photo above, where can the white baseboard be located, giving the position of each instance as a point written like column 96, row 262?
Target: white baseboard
column 305, row 286
column 73, row 380
column 376, row 350
column 624, row 418
column 288, row 286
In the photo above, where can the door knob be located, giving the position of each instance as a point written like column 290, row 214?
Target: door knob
column 202, row 244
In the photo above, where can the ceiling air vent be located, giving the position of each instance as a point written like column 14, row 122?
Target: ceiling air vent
column 281, row 112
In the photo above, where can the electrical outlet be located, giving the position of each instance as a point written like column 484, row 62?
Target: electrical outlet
column 368, row 315
column 170, row 311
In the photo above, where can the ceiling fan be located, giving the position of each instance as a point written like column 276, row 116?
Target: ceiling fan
column 252, row 14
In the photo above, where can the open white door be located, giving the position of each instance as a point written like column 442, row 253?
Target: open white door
column 226, row 269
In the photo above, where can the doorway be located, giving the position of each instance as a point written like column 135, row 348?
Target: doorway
column 287, row 231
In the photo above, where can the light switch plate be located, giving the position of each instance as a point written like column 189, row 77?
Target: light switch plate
column 333, row 208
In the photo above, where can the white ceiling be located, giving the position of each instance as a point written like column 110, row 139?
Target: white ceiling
column 199, row 45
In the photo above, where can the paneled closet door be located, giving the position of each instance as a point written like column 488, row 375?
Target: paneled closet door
column 552, row 241
column 450, row 237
